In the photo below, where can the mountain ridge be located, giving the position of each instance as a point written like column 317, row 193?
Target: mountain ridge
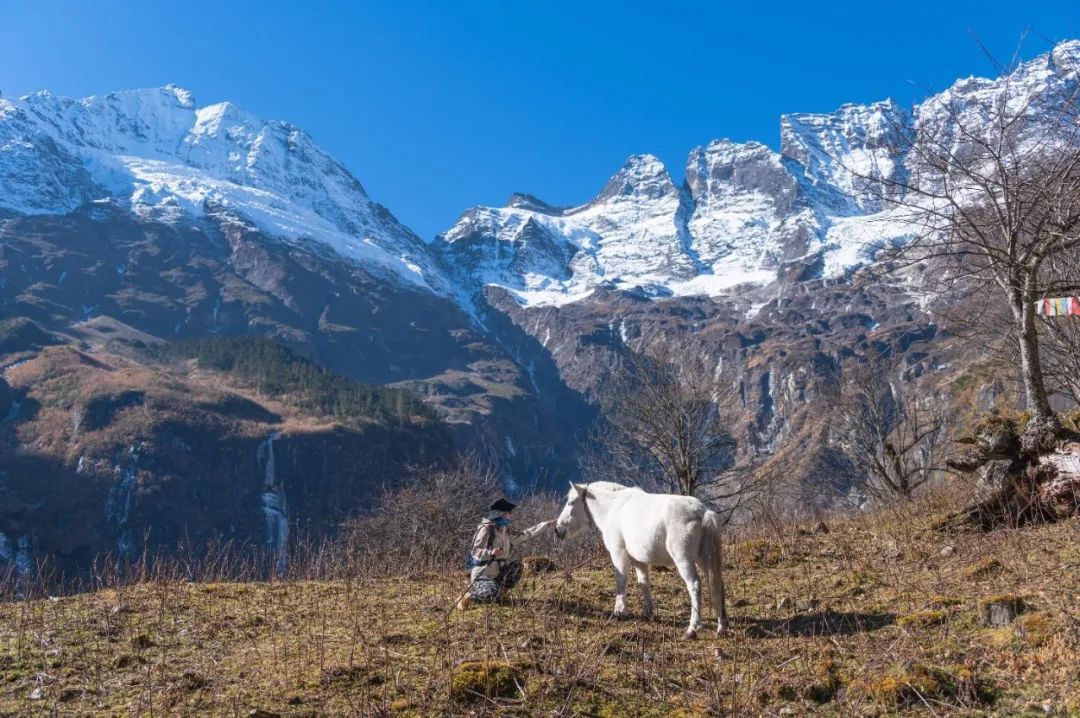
column 748, row 211
column 742, row 212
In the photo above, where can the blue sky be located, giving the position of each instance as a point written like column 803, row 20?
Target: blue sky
column 439, row 106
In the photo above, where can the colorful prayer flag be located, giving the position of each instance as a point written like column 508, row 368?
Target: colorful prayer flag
column 1058, row 306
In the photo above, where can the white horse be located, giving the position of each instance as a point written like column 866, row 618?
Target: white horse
column 644, row 530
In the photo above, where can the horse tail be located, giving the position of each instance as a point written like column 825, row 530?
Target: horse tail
column 712, row 561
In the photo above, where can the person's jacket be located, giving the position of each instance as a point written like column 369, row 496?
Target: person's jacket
column 490, row 536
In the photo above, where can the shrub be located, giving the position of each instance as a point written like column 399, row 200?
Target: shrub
column 424, row 525
column 761, row 553
column 944, row 601
column 1035, row 629
column 830, row 680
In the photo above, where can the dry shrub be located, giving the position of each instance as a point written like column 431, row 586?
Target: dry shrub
column 425, row 525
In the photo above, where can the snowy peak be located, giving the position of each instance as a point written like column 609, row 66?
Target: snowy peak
column 1046, row 84
column 1064, row 58
column 630, row 235
column 745, row 212
column 643, row 177
column 840, row 151
column 158, row 153
column 132, row 121
column 724, row 168
column 527, row 201
column 741, row 193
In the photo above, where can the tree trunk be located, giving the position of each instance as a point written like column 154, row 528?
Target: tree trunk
column 1038, row 402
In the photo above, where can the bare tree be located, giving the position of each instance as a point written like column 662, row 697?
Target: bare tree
column 671, row 418
column 893, row 434
column 992, row 195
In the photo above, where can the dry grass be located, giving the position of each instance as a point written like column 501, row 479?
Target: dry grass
column 878, row 621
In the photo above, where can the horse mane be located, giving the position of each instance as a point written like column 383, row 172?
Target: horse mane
column 601, row 486
column 608, row 486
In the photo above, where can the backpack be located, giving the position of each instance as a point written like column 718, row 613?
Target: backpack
column 470, row 562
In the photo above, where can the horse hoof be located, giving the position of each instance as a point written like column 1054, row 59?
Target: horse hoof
column 690, row 633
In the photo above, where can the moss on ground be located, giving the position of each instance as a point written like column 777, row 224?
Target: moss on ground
column 923, row 619
column 987, row 568
column 474, row 680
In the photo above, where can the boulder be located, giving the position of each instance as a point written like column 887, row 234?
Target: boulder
column 1000, row 610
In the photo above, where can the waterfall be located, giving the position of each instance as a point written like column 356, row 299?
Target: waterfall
column 119, row 501
column 273, row 504
column 19, row 554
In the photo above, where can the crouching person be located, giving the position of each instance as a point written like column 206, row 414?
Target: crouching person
column 491, row 570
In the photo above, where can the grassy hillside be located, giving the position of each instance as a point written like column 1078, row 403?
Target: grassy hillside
column 877, row 615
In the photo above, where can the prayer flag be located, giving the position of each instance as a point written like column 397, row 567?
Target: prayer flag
column 1058, row 307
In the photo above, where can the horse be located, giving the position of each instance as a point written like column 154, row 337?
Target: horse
column 645, row 530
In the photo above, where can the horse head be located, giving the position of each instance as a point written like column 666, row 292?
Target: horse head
column 575, row 516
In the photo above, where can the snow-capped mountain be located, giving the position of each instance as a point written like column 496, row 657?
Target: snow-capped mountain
column 165, row 158
column 744, row 211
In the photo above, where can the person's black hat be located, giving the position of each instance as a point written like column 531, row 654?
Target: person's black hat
column 502, row 505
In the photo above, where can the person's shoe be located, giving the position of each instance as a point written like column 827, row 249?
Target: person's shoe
column 464, row 602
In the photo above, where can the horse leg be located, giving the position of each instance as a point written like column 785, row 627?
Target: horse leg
column 689, row 574
column 621, row 561
column 641, row 570
column 719, row 599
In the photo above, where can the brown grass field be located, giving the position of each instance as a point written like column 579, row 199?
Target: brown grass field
column 878, row 615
